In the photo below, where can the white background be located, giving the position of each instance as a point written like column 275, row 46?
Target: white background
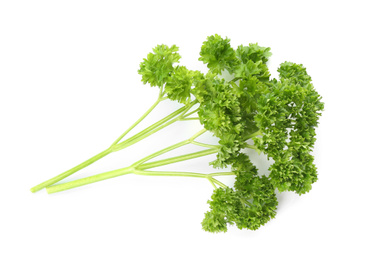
column 69, row 86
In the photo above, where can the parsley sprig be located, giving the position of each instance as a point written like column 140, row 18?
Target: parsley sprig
column 278, row 116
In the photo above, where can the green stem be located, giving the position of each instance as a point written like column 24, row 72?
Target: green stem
column 170, row 173
column 259, row 132
column 219, row 183
column 213, row 184
column 71, row 171
column 139, row 166
column 190, row 118
column 123, row 171
column 141, row 137
column 149, row 130
column 88, row 180
column 185, row 174
column 155, row 127
column 170, row 148
column 221, row 174
column 158, row 153
column 140, row 119
column 205, row 145
column 192, row 112
column 199, row 133
column 118, row 146
column 176, row 159
column 253, row 147
column 131, row 170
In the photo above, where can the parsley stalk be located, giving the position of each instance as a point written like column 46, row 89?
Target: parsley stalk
column 177, row 115
column 141, row 166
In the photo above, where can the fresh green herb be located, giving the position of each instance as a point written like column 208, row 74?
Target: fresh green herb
column 279, row 116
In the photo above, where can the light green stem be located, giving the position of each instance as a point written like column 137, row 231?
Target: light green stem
column 253, row 147
column 205, row 145
column 190, row 118
column 170, row 148
column 88, row 180
column 219, row 183
column 70, row 172
column 158, row 153
column 131, row 169
column 141, row 137
column 199, row 133
column 176, row 159
column 186, row 174
column 170, row 173
column 118, row 146
column 259, row 132
column 179, row 114
column 151, row 129
column 160, row 98
column 221, row 173
column 213, row 184
column 192, row 112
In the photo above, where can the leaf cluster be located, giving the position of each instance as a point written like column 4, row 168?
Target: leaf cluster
column 287, row 116
column 250, row 204
column 229, row 107
column 280, row 116
column 160, row 69
column 159, row 65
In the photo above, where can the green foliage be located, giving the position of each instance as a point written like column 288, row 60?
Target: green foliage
column 247, row 70
column 219, row 110
column 179, row 84
column 222, row 111
column 280, row 116
column 285, row 113
column 294, row 73
column 250, row 204
column 158, row 66
column 287, row 117
column 253, row 52
column 218, row 54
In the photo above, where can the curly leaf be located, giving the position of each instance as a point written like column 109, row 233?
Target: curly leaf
column 217, row 53
column 158, row 66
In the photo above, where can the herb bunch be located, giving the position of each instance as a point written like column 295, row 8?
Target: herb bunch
column 278, row 116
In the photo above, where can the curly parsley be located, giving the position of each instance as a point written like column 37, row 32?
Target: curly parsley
column 280, row 116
